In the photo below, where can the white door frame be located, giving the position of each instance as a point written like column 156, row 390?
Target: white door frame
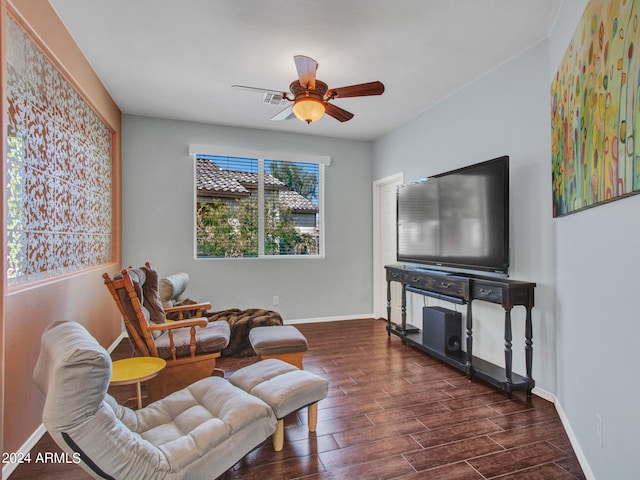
column 378, row 274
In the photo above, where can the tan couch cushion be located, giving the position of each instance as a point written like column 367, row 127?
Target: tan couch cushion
column 172, row 287
column 212, row 338
column 276, row 340
column 281, row 385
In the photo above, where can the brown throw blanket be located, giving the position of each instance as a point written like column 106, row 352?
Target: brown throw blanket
column 241, row 321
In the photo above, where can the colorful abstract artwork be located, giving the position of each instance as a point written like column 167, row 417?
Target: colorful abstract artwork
column 595, row 109
column 58, row 167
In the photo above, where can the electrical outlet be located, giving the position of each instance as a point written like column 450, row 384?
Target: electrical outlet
column 599, row 430
column 276, row 300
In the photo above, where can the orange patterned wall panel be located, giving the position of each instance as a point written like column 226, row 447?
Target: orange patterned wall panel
column 59, row 170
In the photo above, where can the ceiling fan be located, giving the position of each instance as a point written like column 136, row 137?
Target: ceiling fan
column 309, row 97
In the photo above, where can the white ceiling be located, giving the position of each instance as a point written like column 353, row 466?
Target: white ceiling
column 178, row 58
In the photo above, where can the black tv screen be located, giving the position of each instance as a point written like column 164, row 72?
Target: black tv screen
column 457, row 219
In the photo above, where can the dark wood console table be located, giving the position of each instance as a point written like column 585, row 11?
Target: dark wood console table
column 463, row 289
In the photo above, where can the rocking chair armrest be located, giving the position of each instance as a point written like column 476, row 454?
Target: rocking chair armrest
column 182, row 308
column 199, row 308
column 191, row 322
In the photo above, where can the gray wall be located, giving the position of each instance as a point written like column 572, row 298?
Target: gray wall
column 158, row 225
column 585, row 264
column 598, row 257
column 492, row 117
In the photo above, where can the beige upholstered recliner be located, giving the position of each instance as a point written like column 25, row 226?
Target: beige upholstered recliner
column 195, row 433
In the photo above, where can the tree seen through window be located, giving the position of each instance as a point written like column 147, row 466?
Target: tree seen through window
column 228, row 207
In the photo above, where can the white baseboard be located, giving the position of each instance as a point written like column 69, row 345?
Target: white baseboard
column 544, row 394
column 582, row 459
column 117, row 341
column 328, row 319
column 35, row 437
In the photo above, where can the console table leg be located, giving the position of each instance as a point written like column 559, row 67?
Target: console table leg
column 388, row 308
column 404, row 313
column 528, row 349
column 508, row 354
column 469, row 342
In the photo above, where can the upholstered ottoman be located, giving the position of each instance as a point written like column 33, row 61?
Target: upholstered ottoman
column 282, row 342
column 285, row 389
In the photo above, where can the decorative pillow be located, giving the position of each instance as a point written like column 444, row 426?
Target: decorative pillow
column 172, row 287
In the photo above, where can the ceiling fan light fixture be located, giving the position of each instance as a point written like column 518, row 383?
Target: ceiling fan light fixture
column 308, row 109
column 311, row 98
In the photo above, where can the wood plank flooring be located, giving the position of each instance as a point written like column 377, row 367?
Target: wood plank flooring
column 392, row 413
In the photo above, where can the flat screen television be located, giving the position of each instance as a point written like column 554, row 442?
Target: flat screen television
column 457, row 219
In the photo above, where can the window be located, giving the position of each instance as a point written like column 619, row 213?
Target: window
column 257, row 207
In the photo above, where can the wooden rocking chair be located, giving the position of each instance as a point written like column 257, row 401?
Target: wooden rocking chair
column 190, row 346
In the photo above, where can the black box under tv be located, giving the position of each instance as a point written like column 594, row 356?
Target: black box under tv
column 441, row 329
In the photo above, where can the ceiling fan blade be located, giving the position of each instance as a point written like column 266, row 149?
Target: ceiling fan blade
column 338, row 113
column 258, row 90
column 360, row 90
column 285, row 114
column 306, row 67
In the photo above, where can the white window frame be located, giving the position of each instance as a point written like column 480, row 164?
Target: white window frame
column 261, row 155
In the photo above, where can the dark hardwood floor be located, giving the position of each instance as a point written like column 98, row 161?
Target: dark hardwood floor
column 392, row 413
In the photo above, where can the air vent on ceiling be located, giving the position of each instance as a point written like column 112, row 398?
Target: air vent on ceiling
column 274, row 98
